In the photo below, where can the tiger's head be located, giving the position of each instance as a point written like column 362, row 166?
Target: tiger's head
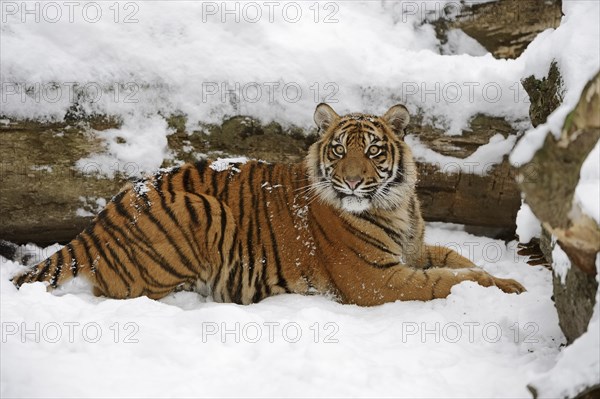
column 361, row 162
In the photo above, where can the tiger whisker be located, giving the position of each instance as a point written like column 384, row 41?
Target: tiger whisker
column 313, row 186
column 314, row 198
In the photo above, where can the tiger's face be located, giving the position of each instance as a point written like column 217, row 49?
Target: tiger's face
column 361, row 162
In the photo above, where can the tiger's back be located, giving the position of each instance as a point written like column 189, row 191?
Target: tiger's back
column 345, row 222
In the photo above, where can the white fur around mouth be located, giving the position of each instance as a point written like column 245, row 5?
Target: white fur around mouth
column 355, row 204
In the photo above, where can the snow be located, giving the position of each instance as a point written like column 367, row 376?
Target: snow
column 574, row 45
column 578, row 366
column 528, row 225
column 141, row 188
column 91, row 206
column 222, row 164
column 560, row 261
column 467, row 345
column 587, row 192
column 83, row 213
column 139, row 146
column 480, row 162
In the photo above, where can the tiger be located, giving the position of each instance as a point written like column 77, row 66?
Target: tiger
column 345, row 222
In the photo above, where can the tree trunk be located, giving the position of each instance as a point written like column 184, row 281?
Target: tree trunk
column 550, row 190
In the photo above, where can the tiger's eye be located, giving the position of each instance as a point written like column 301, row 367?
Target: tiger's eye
column 374, row 150
column 339, row 150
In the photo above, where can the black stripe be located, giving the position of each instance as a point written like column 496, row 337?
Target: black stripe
column 225, row 193
column 187, row 182
column 446, row 257
column 169, row 212
column 143, row 237
column 325, row 236
column 85, row 249
column 391, row 233
column 370, row 239
column 239, row 274
column 239, row 283
column 44, row 271
column 100, row 250
column 232, row 284
column 399, row 177
column 217, row 280
column 224, row 196
column 214, row 185
column 355, row 252
column 110, row 228
column 201, row 168
column 378, row 126
column 96, row 273
column 191, row 211
column 128, row 250
column 170, row 189
column 274, row 246
column 115, row 256
column 429, row 264
column 223, row 229
column 385, row 265
column 371, row 263
column 58, row 268
column 74, row 266
column 184, row 259
column 119, row 196
column 207, row 213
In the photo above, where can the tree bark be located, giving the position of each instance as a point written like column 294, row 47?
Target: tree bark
column 549, row 191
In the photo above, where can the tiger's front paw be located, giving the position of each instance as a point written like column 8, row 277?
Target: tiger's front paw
column 509, row 286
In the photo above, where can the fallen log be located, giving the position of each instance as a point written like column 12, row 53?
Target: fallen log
column 45, row 199
column 504, row 28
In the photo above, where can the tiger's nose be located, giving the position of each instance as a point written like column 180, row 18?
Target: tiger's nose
column 353, row 181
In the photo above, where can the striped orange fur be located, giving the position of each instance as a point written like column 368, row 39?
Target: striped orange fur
column 346, row 221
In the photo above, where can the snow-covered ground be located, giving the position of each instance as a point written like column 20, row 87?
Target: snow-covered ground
column 144, row 60
column 479, row 342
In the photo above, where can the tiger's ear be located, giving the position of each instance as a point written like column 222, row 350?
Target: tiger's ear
column 324, row 116
column 397, row 117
